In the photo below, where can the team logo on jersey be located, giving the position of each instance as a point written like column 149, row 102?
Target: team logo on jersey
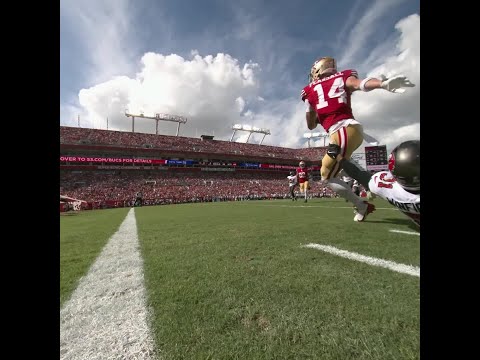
column 391, row 162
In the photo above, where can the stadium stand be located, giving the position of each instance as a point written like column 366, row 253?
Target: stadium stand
column 106, row 168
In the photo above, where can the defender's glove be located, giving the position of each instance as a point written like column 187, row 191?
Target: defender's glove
column 396, row 83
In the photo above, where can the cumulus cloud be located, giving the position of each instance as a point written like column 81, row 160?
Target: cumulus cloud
column 211, row 91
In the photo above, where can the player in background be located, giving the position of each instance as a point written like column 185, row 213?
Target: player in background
column 292, row 183
column 302, row 178
column 400, row 185
column 328, row 100
column 324, row 192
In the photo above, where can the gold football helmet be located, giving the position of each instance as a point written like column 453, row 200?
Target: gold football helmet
column 323, row 67
column 302, row 164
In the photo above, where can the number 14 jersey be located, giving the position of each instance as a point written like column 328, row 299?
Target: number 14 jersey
column 330, row 98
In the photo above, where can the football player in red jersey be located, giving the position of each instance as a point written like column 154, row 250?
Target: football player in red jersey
column 328, row 100
column 302, row 177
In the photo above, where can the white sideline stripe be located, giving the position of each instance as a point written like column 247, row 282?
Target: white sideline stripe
column 405, row 232
column 401, row 268
column 106, row 317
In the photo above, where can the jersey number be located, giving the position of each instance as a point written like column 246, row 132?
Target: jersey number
column 384, row 182
column 337, row 90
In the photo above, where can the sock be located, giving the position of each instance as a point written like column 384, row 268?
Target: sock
column 342, row 189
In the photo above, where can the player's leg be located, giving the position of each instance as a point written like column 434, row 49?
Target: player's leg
column 305, row 189
column 348, row 139
column 362, row 176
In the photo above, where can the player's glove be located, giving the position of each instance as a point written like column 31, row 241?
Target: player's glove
column 396, row 83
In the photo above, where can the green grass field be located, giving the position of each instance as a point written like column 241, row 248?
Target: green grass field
column 232, row 280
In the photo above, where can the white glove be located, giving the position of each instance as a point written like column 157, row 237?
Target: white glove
column 396, row 83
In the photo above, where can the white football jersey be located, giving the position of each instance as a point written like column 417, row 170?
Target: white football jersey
column 292, row 179
column 384, row 185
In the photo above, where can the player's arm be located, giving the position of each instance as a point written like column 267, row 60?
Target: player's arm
column 368, row 84
column 311, row 114
column 395, row 84
column 362, row 176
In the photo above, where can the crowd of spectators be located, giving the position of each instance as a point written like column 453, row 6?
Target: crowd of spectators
column 169, row 187
column 121, row 187
column 85, row 136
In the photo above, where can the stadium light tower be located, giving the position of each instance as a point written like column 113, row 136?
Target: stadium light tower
column 315, row 135
column 250, row 129
column 157, row 117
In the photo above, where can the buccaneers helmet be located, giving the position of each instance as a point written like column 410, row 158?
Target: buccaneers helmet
column 323, row 67
column 404, row 164
column 302, row 164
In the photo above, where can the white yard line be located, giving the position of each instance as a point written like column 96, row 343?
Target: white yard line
column 405, row 232
column 401, row 268
column 106, row 316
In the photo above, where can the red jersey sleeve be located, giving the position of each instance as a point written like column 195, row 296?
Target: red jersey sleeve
column 348, row 73
column 305, row 92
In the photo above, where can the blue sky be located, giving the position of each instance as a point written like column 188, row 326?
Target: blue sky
column 222, row 62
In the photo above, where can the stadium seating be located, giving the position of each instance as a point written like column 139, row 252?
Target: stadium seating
column 117, row 187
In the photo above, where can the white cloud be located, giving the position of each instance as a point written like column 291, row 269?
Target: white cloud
column 360, row 33
column 108, row 100
column 103, row 30
column 401, row 134
column 210, row 91
column 240, row 103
